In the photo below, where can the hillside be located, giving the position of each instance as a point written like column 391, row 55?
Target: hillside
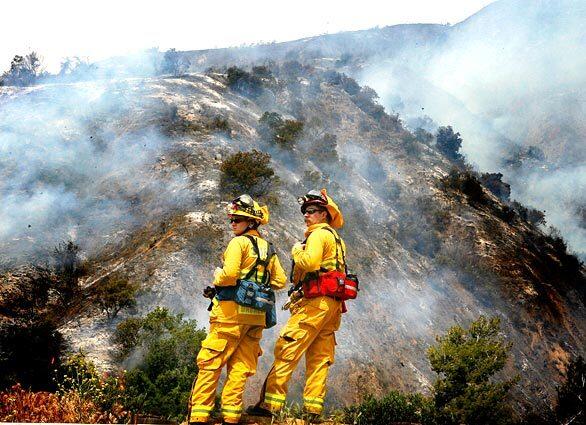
column 429, row 254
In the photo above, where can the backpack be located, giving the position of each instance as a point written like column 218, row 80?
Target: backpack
column 250, row 293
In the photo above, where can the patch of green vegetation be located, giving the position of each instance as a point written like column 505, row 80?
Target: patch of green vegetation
column 167, row 346
column 465, row 392
column 274, row 129
column 248, row 172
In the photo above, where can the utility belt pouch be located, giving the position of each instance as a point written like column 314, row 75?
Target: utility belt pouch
column 251, row 294
column 332, row 284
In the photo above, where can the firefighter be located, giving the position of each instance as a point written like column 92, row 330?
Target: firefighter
column 313, row 322
column 235, row 330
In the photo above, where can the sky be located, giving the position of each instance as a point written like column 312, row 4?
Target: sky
column 97, row 30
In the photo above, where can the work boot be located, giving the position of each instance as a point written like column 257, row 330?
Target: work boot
column 256, row 410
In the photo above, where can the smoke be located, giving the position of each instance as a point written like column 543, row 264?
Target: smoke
column 71, row 167
column 508, row 76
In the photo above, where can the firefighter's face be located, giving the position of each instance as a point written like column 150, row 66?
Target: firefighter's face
column 314, row 215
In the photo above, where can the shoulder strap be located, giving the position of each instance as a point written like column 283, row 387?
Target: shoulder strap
column 338, row 242
column 259, row 261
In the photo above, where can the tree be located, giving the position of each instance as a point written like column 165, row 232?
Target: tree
column 247, row 172
column 76, row 68
column 24, row 71
column 68, row 268
column 167, row 346
column 115, row 294
column 465, row 360
column 449, row 143
column 174, row 63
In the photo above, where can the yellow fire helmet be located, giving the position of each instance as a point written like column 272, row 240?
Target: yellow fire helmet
column 245, row 206
column 321, row 198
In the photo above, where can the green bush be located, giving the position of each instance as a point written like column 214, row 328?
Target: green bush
column 466, row 360
column 79, row 375
column 273, row 128
column 168, row 346
column 449, row 144
column 394, row 407
column 494, row 183
column 465, row 182
column 115, row 294
column 247, row 172
column 244, row 82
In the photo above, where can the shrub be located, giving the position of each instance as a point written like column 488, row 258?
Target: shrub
column 449, row 143
column 220, row 124
column 115, row 294
column 394, row 407
column 247, row 172
column 273, row 128
column 69, row 268
column 348, row 84
column 82, row 397
column 75, row 69
column 571, row 394
column 20, row 405
column 325, row 148
column 423, row 136
column 244, row 82
column 91, row 395
column 494, row 183
column 420, row 225
column 466, row 360
column 530, row 215
column 465, row 182
column 24, row 71
column 365, row 99
column 168, row 346
column 174, row 63
column 522, row 154
column 29, row 352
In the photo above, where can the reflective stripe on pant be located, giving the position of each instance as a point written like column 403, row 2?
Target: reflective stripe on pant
column 237, row 347
column 309, row 330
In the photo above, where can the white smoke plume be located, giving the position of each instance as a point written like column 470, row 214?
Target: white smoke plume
column 509, row 76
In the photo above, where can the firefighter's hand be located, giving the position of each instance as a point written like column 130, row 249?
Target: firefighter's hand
column 209, row 292
column 298, row 246
column 217, row 272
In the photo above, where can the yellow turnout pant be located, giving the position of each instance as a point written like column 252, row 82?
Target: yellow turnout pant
column 238, row 347
column 309, row 330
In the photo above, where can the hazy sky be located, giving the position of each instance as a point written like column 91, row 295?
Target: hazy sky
column 96, row 30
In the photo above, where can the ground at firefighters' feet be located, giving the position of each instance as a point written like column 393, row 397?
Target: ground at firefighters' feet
column 259, row 420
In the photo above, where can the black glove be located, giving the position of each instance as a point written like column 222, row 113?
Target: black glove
column 209, row 292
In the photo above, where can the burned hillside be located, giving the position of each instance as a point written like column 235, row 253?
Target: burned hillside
column 433, row 246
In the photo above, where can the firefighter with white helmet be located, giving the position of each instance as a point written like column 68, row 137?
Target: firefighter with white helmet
column 316, row 315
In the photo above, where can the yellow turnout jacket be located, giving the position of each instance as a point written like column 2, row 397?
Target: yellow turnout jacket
column 239, row 258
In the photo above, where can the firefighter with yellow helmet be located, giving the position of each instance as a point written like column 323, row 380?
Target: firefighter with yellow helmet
column 235, row 329
column 314, row 318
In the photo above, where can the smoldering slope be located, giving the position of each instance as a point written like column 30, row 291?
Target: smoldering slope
column 509, row 76
column 72, row 168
